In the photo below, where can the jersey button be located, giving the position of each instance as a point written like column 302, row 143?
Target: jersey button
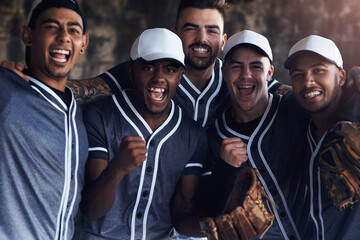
column 292, row 237
column 282, row 214
column 149, row 169
column 145, row 194
column 201, row 101
column 152, row 143
column 139, row 215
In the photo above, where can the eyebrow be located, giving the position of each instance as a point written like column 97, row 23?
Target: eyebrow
column 318, row 64
column 251, row 63
column 196, row 25
column 50, row 20
column 312, row 66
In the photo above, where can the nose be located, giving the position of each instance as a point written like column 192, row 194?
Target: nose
column 309, row 80
column 201, row 35
column 159, row 75
column 246, row 73
column 63, row 35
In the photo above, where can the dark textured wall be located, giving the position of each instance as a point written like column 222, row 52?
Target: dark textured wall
column 114, row 24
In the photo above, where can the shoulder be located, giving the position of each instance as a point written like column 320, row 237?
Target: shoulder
column 100, row 107
column 193, row 129
column 117, row 77
column 10, row 76
column 276, row 87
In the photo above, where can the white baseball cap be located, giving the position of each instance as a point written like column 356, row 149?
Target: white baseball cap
column 158, row 43
column 317, row 44
column 248, row 37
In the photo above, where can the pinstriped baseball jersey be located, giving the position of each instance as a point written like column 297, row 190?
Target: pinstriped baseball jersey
column 141, row 209
column 325, row 220
column 281, row 125
column 43, row 153
column 202, row 106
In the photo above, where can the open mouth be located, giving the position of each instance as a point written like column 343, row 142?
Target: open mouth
column 157, row 94
column 246, row 90
column 60, row 55
column 312, row 94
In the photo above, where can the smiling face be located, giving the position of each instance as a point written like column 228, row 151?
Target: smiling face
column 316, row 82
column 155, row 84
column 246, row 73
column 202, row 34
column 55, row 41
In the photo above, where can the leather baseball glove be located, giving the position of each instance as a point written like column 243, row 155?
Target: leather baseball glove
column 245, row 215
column 340, row 163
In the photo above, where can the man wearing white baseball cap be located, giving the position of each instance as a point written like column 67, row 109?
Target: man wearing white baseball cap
column 316, row 69
column 265, row 126
column 145, row 156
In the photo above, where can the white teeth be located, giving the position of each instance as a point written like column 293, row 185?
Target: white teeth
column 159, row 90
column 62, row 60
column 201, row 50
column 312, row 94
column 246, row 87
column 60, row 51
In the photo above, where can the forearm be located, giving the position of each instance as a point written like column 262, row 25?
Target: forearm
column 89, row 90
column 185, row 216
column 98, row 196
column 189, row 226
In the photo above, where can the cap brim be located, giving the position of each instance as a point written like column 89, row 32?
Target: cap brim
column 289, row 61
column 160, row 56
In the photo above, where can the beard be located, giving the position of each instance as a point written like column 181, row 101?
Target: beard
column 201, row 63
column 335, row 94
column 55, row 75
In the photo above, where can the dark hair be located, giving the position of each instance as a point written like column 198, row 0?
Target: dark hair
column 45, row 4
column 219, row 5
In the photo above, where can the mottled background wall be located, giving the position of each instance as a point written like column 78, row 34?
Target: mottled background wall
column 114, row 24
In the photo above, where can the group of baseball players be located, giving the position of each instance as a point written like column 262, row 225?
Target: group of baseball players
column 153, row 145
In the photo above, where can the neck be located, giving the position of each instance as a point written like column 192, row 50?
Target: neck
column 153, row 119
column 58, row 83
column 244, row 116
column 200, row 78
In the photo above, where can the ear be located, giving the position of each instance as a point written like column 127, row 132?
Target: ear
column 341, row 77
column 180, row 76
column 85, row 42
column 223, row 41
column 223, row 71
column 129, row 70
column 26, row 36
column 270, row 73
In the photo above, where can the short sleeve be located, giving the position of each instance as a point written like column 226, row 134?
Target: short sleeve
column 195, row 164
column 94, row 123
